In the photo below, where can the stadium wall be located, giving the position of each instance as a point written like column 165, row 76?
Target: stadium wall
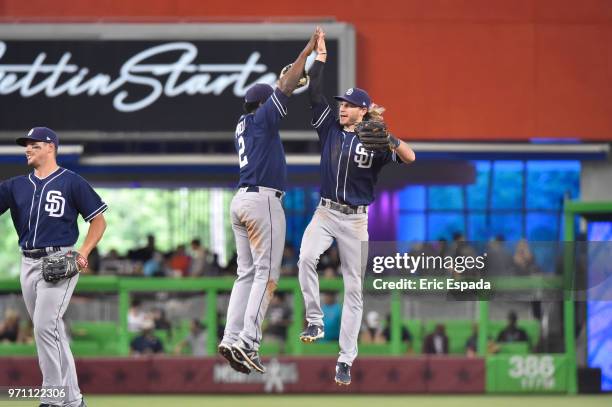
column 476, row 69
column 284, row 375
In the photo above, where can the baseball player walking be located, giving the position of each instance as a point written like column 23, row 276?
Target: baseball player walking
column 44, row 206
column 348, row 175
column 258, row 218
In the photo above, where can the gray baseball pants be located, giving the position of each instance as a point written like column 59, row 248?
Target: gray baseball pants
column 46, row 303
column 258, row 222
column 350, row 232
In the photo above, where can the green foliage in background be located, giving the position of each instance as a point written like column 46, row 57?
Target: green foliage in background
column 173, row 216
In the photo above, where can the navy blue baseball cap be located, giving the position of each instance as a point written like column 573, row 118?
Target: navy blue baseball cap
column 260, row 92
column 43, row 134
column 356, row 96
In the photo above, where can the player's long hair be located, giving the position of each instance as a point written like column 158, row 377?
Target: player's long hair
column 375, row 113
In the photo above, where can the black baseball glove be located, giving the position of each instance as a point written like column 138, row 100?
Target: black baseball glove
column 304, row 79
column 374, row 136
column 56, row 268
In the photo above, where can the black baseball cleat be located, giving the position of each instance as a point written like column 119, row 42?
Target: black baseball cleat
column 226, row 352
column 312, row 333
column 244, row 354
column 343, row 374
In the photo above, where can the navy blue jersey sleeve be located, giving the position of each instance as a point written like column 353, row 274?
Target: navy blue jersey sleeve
column 322, row 119
column 87, row 202
column 273, row 110
column 322, row 116
column 5, row 197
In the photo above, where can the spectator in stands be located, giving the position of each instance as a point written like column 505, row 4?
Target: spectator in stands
column 144, row 253
column 232, row 265
column 372, row 331
column 9, row 328
column 221, row 320
column 442, row 247
column 329, row 272
column 436, row 343
column 462, row 246
column 195, row 341
column 136, row 316
column 94, row 261
column 278, row 320
column 26, row 332
column 199, row 259
column 112, row 264
column 524, row 262
column 289, row 261
column 215, row 267
column 332, row 315
column 146, row 343
column 330, row 258
column 406, row 336
column 180, row 262
column 471, row 345
column 512, row 333
column 161, row 321
column 155, row 266
column 499, row 260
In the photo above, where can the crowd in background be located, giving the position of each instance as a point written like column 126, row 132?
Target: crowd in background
column 196, row 260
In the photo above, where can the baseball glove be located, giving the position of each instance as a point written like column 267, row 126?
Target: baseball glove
column 56, row 268
column 304, row 79
column 373, row 135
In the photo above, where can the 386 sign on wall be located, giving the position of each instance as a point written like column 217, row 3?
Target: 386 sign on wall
column 141, row 85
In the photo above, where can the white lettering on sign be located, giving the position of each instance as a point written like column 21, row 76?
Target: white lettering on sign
column 182, row 77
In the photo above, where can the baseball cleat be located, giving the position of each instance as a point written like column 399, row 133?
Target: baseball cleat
column 343, row 374
column 226, row 351
column 244, row 354
column 312, row 333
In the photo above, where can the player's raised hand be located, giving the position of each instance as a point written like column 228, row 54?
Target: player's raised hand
column 312, row 43
column 320, row 47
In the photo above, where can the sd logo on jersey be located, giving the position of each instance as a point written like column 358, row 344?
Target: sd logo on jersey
column 363, row 157
column 55, row 204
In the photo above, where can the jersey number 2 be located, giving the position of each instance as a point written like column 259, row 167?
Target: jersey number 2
column 241, row 145
column 241, row 153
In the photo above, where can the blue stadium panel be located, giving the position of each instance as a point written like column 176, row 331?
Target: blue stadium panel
column 548, row 182
column 507, row 190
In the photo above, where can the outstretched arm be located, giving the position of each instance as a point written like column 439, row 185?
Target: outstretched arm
column 315, row 88
column 289, row 81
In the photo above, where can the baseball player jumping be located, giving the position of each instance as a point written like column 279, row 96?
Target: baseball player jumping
column 258, row 218
column 349, row 173
column 44, row 206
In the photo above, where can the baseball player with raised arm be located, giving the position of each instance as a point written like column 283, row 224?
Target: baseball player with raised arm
column 258, row 218
column 44, row 206
column 349, row 173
